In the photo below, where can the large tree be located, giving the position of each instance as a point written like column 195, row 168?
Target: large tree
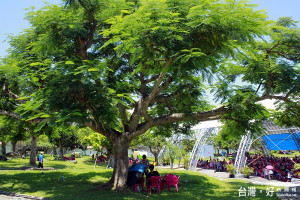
column 122, row 67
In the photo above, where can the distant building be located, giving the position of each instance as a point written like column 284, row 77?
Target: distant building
column 8, row 147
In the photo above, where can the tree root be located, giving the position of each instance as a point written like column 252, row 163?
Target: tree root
column 110, row 186
column 107, row 186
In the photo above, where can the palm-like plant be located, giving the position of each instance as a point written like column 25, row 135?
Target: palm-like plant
column 247, row 171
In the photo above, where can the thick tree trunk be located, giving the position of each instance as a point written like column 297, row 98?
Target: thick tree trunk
column 14, row 145
column 24, row 150
column 61, row 151
column 156, row 158
column 3, row 148
column 155, row 152
column 119, row 176
column 32, row 160
column 172, row 161
column 179, row 162
column 54, row 150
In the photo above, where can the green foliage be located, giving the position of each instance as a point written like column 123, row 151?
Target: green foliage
column 82, row 133
column 186, row 160
column 247, row 171
column 230, row 168
column 66, row 81
column 273, row 151
column 297, row 167
column 99, row 142
column 225, row 139
column 64, row 136
column 246, row 115
column 188, row 144
column 155, row 139
column 43, row 142
column 12, row 130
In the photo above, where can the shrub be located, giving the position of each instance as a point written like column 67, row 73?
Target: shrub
column 186, row 159
column 273, row 151
column 297, row 167
column 247, row 171
column 231, row 169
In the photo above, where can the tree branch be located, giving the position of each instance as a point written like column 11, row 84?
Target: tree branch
column 84, row 102
column 142, row 105
column 164, row 99
column 85, row 43
column 282, row 98
column 155, row 49
column 123, row 115
column 18, row 117
column 148, row 117
column 11, row 94
column 10, row 114
column 179, row 117
column 269, row 85
column 259, row 86
column 92, row 124
column 159, row 80
column 152, row 79
column 164, row 85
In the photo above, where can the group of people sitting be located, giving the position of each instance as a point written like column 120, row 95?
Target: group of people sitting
column 99, row 159
column 137, row 175
column 216, row 164
column 133, row 160
column 283, row 168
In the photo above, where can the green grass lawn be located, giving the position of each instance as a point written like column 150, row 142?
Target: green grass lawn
column 82, row 178
column 291, row 155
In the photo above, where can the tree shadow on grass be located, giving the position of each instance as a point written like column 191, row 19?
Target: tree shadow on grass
column 81, row 185
column 89, row 161
column 50, row 184
column 196, row 186
column 23, row 164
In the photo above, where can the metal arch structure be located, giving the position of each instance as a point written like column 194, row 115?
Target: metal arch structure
column 264, row 147
column 245, row 144
column 202, row 135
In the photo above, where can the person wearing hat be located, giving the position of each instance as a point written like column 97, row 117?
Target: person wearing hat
column 41, row 160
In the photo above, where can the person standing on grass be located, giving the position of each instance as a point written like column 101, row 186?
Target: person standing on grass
column 41, row 160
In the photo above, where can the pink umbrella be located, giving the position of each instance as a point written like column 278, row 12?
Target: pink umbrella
column 269, row 167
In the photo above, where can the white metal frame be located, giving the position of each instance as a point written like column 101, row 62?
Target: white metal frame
column 202, row 136
column 245, row 144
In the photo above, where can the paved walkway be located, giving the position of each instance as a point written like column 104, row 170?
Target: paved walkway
column 16, row 196
column 253, row 179
column 224, row 176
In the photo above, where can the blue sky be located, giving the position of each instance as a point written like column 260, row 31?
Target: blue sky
column 12, row 14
